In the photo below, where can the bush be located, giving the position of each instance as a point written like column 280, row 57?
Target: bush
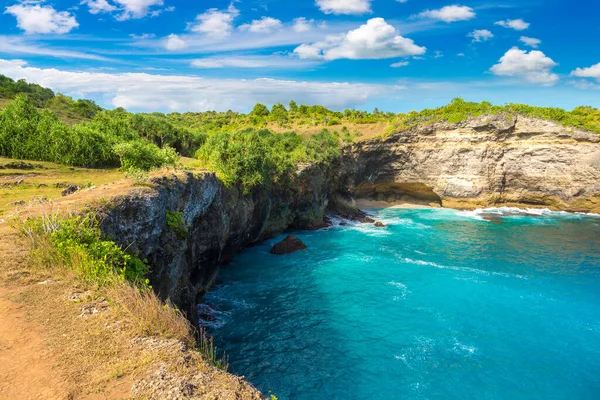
column 176, row 224
column 260, row 157
column 76, row 243
column 144, row 156
column 26, row 133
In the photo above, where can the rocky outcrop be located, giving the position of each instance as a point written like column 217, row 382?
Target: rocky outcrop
column 290, row 244
column 485, row 161
column 215, row 223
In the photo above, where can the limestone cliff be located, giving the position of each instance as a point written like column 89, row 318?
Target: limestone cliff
column 485, row 161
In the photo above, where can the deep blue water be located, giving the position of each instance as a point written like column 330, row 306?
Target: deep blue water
column 440, row 304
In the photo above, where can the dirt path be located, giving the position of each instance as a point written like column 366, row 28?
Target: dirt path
column 26, row 365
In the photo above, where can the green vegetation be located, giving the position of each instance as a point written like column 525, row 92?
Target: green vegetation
column 39, row 95
column 279, row 117
column 261, row 157
column 242, row 148
column 76, row 244
column 176, row 224
column 459, row 110
column 109, row 138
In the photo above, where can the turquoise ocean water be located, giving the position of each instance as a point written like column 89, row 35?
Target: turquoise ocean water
column 439, row 304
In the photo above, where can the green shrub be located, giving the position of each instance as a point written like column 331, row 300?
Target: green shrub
column 145, row 156
column 176, row 224
column 260, row 157
column 76, row 243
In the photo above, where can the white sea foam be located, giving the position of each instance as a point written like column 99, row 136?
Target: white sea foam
column 481, row 213
column 463, row 348
column 466, row 269
column 403, row 290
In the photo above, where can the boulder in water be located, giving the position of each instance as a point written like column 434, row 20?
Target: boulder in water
column 379, row 224
column 290, row 244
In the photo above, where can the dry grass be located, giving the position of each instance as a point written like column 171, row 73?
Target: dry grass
column 105, row 338
column 360, row 131
column 147, row 315
column 46, row 182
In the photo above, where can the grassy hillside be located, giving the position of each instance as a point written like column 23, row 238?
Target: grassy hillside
column 256, row 148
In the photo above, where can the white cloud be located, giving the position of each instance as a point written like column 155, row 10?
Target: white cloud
column 480, row 35
column 399, row 64
column 589, row 72
column 531, row 42
column 126, row 9
column 151, row 92
column 302, row 24
column 174, row 43
column 136, row 8
column 268, row 61
column 99, row 6
column 583, row 84
column 516, row 24
column 143, row 36
column 533, row 67
column 374, row 40
column 15, row 45
column 450, row 13
column 355, row 7
column 216, row 23
column 263, row 25
column 34, row 18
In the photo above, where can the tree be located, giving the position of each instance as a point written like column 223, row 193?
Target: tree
column 293, row 106
column 260, row 110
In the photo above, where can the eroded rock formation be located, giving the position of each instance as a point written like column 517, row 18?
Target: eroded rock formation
column 485, row 161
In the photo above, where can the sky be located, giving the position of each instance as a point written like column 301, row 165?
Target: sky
column 396, row 55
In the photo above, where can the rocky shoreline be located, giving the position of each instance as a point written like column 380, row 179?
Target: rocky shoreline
column 490, row 161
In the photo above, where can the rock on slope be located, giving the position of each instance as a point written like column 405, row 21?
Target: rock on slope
column 484, row 161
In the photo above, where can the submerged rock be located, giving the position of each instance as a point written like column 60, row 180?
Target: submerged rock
column 290, row 244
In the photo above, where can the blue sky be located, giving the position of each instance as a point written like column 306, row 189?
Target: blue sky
column 397, row 55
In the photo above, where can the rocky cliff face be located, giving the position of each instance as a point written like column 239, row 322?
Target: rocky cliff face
column 485, row 161
column 211, row 224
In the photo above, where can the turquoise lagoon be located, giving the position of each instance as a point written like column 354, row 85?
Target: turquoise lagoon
column 439, row 304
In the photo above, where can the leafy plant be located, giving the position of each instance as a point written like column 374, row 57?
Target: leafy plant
column 76, row 243
column 177, row 224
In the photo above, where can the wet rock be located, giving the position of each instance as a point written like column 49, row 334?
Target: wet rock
column 70, row 190
column 206, row 312
column 290, row 244
column 367, row 220
column 379, row 224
